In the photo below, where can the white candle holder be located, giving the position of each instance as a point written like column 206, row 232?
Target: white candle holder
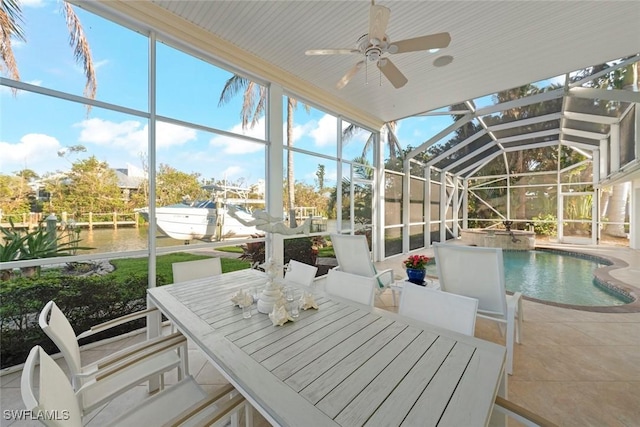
column 272, row 291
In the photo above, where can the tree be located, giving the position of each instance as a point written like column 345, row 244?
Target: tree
column 14, row 193
column 90, row 186
column 320, row 173
column 174, row 186
column 362, row 194
column 395, row 150
column 11, row 21
column 254, row 100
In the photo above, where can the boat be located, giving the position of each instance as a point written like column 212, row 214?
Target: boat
column 201, row 220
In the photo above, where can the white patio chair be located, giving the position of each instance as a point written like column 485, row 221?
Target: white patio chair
column 184, row 403
column 352, row 253
column 299, row 273
column 478, row 272
column 110, row 376
column 198, row 269
column 359, row 289
column 450, row 311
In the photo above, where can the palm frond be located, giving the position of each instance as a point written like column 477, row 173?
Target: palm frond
column 231, row 88
column 349, row 132
column 81, row 51
column 248, row 103
column 260, row 106
column 10, row 20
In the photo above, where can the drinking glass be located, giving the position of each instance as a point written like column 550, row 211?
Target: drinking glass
column 294, row 308
column 246, row 311
column 289, row 294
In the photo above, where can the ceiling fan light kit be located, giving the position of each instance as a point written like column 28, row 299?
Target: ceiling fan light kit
column 376, row 44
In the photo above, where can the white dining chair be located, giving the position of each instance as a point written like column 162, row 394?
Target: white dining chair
column 110, row 376
column 299, row 273
column 184, row 404
column 478, row 272
column 356, row 288
column 446, row 310
column 354, row 257
column 198, row 269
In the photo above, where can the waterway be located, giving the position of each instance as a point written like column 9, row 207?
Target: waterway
column 122, row 240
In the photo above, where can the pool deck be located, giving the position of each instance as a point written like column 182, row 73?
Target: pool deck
column 574, row 367
column 623, row 274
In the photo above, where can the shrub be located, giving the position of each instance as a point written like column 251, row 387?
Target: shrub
column 86, row 301
column 545, row 225
column 300, row 249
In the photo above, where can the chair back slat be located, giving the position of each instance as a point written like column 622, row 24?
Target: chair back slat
column 300, row 273
column 450, row 311
column 349, row 286
column 198, row 269
column 352, row 253
column 56, row 403
column 55, row 324
column 475, row 272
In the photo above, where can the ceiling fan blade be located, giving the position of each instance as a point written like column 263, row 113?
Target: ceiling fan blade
column 433, row 41
column 378, row 21
column 347, row 77
column 392, row 73
column 331, row 51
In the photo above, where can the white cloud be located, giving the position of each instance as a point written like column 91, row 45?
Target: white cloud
column 230, row 145
column 131, row 135
column 34, row 151
column 324, row 134
column 98, row 64
column 558, row 80
column 233, row 172
column 33, row 3
column 6, row 90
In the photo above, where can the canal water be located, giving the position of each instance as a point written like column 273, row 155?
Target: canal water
column 132, row 239
column 121, row 240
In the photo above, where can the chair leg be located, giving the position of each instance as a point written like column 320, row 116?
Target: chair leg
column 510, row 338
column 393, row 295
column 248, row 414
column 520, row 315
column 183, row 368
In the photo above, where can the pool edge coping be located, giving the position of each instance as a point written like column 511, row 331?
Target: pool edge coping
column 603, row 275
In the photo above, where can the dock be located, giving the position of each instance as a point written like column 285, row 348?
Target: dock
column 91, row 220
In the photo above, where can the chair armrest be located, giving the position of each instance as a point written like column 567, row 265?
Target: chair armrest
column 138, row 349
column 512, row 300
column 521, row 414
column 199, row 406
column 116, row 322
column 171, row 342
column 389, row 272
column 129, row 355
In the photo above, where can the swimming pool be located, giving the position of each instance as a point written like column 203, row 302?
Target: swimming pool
column 554, row 277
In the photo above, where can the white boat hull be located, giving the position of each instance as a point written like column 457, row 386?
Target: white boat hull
column 190, row 223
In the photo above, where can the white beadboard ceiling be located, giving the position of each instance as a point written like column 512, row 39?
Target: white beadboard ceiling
column 496, row 45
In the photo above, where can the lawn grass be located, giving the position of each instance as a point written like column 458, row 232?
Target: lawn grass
column 232, row 249
column 326, row 252
column 127, row 267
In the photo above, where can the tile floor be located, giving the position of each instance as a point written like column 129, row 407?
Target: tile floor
column 576, row 368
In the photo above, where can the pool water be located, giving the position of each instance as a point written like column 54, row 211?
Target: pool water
column 554, row 277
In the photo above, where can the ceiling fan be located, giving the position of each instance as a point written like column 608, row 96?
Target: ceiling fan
column 376, row 43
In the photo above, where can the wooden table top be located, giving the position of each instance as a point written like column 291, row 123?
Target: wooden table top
column 344, row 364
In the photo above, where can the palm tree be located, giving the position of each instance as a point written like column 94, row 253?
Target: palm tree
column 11, row 26
column 253, row 105
column 392, row 142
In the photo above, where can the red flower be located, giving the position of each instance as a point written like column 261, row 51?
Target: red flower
column 417, row 261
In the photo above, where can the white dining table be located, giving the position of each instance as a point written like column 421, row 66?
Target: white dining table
column 343, row 364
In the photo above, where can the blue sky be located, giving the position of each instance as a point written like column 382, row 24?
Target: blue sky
column 34, row 128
